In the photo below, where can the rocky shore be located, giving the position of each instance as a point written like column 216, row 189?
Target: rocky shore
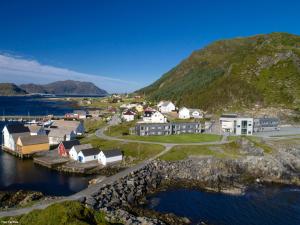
column 9, row 199
column 124, row 199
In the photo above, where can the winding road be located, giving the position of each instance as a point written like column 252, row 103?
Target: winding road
column 109, row 180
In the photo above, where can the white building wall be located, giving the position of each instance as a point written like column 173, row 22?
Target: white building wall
column 184, row 113
column 73, row 154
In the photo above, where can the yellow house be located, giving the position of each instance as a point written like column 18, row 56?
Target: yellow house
column 139, row 108
column 32, row 144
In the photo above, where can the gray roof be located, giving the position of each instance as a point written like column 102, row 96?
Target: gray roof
column 33, row 140
column 112, row 153
column 166, row 103
column 15, row 136
column 16, row 128
column 78, row 148
column 70, row 144
column 90, row 151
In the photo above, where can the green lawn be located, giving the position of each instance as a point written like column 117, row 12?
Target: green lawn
column 65, row 213
column 258, row 142
column 91, row 125
column 180, row 138
column 133, row 152
column 229, row 150
column 122, row 131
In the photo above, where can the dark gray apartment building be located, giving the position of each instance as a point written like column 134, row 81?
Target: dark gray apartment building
column 147, row 129
column 266, row 124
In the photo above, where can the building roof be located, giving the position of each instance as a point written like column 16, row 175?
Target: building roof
column 15, row 136
column 129, row 113
column 70, row 144
column 59, row 132
column 34, row 128
column 66, row 123
column 165, row 103
column 231, row 115
column 17, row 128
column 78, row 148
column 33, row 140
column 90, row 151
column 112, row 153
column 81, row 112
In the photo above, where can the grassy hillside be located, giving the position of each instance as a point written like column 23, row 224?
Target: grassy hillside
column 9, row 89
column 69, row 212
column 239, row 73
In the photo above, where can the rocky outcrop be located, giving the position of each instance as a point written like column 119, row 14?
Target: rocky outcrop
column 122, row 198
column 19, row 198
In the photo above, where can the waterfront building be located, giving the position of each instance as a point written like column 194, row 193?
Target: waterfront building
column 32, row 144
column 65, row 146
column 87, row 155
column 76, row 126
column 36, row 129
column 266, row 124
column 11, row 133
column 233, row 124
column 73, row 153
column 110, row 156
column 57, row 135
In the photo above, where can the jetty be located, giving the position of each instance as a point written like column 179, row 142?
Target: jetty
column 24, row 118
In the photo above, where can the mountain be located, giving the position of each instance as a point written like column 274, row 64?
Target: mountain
column 238, row 73
column 10, row 89
column 67, row 87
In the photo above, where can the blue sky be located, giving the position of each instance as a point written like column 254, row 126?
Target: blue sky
column 123, row 45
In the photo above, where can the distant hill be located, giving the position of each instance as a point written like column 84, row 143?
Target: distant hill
column 67, row 87
column 237, row 73
column 10, row 89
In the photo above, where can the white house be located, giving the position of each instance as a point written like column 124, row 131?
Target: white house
column 154, row 117
column 11, row 133
column 196, row 113
column 110, row 156
column 166, row 106
column 73, row 153
column 87, row 155
column 184, row 113
column 231, row 123
column 36, row 130
column 128, row 115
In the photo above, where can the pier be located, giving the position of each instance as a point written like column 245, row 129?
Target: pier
column 24, row 118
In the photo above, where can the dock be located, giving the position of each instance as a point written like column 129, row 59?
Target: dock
column 50, row 159
column 24, row 118
column 16, row 153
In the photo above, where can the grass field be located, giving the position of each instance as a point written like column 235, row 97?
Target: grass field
column 122, row 131
column 91, row 125
column 133, row 152
column 65, row 213
column 181, row 152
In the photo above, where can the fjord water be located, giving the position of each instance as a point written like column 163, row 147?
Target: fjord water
column 24, row 105
column 17, row 174
column 264, row 205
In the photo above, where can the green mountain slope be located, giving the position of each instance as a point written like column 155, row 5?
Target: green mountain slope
column 241, row 72
column 9, row 89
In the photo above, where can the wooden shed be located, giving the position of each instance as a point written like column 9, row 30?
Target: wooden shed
column 32, row 144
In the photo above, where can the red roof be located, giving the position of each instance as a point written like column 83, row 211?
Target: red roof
column 128, row 113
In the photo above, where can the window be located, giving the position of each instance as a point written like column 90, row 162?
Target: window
column 94, row 157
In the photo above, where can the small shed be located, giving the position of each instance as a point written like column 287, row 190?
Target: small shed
column 65, row 146
column 76, row 149
column 32, row 144
column 87, row 155
column 110, row 156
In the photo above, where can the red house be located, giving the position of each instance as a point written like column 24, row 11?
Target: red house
column 65, row 146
